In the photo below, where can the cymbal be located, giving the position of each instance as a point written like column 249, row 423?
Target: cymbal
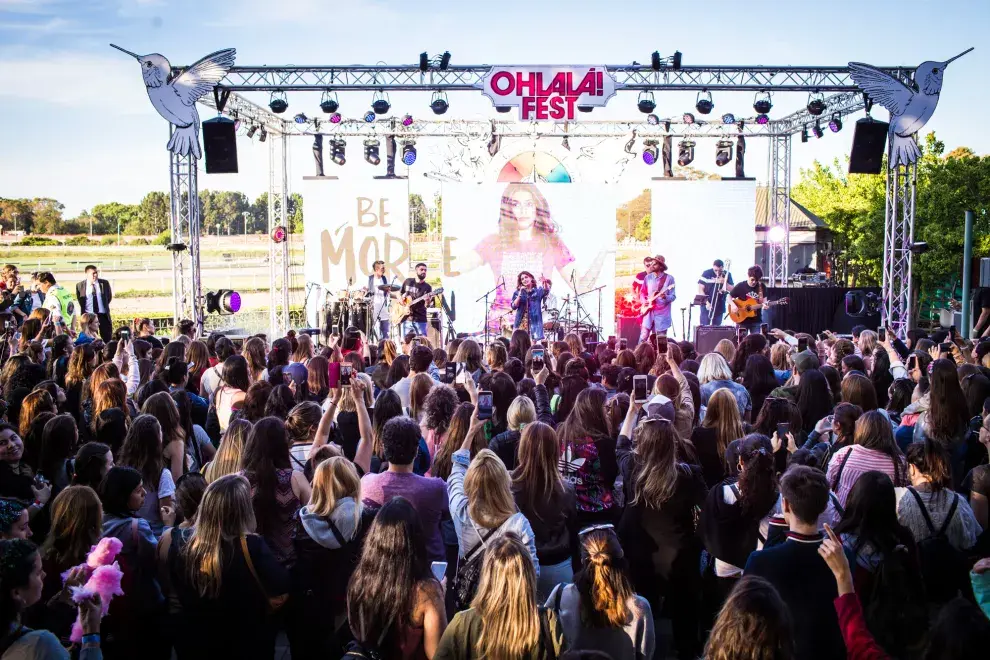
column 388, row 287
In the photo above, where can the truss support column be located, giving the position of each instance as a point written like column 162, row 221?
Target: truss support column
column 184, row 225
column 898, row 237
column 778, row 234
column 278, row 216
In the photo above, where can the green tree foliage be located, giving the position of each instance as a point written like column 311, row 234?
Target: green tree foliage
column 630, row 215
column 153, row 215
column 643, row 229
column 107, row 217
column 258, row 222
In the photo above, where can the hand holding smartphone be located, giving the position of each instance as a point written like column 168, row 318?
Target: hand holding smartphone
column 538, row 360
column 485, row 404
column 639, row 389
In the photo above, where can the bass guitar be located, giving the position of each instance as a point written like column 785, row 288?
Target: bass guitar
column 746, row 307
column 401, row 309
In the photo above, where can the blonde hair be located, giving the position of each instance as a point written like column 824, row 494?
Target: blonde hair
column 85, row 320
column 506, row 601
column 714, row 367
column 488, row 491
column 868, row 343
column 722, row 415
column 603, row 581
column 779, row 356
column 726, row 349
column 521, row 411
column 304, row 348
column 389, row 351
column 228, row 458
column 346, row 403
column 496, row 355
column 225, row 514
column 655, row 459
column 333, row 480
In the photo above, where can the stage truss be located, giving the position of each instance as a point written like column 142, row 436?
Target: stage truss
column 844, row 98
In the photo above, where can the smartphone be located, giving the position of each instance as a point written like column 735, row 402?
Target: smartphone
column 125, row 335
column 882, row 334
column 912, row 362
column 460, row 372
column 782, row 430
column 611, row 341
column 345, row 374
column 662, row 345
column 413, row 344
column 450, row 372
column 802, row 344
column 945, row 347
column 952, row 332
column 623, row 344
column 538, row 356
column 639, row 389
column 591, row 346
column 765, row 329
column 485, row 404
column 439, row 569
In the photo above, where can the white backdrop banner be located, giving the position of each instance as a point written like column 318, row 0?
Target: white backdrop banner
column 494, row 232
column 696, row 222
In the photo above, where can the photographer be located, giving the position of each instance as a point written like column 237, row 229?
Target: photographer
column 13, row 298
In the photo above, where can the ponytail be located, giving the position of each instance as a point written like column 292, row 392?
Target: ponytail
column 931, row 459
column 757, row 479
column 603, row 581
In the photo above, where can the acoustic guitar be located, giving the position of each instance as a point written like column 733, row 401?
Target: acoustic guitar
column 401, row 309
column 647, row 307
column 746, row 307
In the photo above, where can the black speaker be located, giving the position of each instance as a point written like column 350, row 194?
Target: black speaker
column 220, row 145
column 706, row 336
column 628, row 328
column 869, row 142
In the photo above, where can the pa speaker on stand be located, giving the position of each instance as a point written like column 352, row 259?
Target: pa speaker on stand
column 869, row 141
column 220, row 145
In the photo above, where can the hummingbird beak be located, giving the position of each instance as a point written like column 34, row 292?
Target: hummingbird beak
column 137, row 57
column 946, row 63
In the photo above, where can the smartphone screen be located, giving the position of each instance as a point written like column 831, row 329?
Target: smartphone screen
column 639, row 389
column 439, row 569
column 912, row 362
column 538, row 360
column 623, row 344
column 782, row 430
column 611, row 341
column 662, row 345
column 764, row 329
column 882, row 334
column 460, row 373
column 485, row 405
column 945, row 347
column 450, row 372
column 345, row 374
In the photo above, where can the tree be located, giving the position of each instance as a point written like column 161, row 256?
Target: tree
column 107, row 217
column 259, row 214
column 629, row 215
column 643, row 230
column 153, row 215
column 16, row 214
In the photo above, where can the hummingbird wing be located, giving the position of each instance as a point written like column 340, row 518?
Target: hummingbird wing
column 882, row 87
column 203, row 76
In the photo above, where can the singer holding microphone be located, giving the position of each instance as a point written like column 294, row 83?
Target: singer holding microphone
column 527, row 300
column 380, row 298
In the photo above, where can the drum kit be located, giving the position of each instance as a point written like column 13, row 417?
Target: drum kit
column 354, row 308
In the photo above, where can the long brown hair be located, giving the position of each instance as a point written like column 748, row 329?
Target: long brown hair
column 655, row 459
column 873, row 431
column 162, row 406
column 111, row 393
column 101, row 373
column 142, row 450
column 318, row 376
column 722, row 415
column 419, row 389
column 603, row 581
column 77, row 519
column 36, row 402
column 489, row 495
column 586, row 421
column 754, row 624
column 225, row 514
column 254, row 352
column 228, row 456
column 456, row 432
column 506, row 601
column 931, row 459
column 199, row 355
column 536, row 477
column 947, row 412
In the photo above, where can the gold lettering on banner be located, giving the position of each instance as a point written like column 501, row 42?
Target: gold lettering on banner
column 364, row 206
column 337, row 248
column 448, row 258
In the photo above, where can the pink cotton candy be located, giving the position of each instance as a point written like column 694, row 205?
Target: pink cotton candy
column 104, row 579
column 104, row 552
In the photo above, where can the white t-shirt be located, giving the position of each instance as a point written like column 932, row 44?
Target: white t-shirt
column 210, row 380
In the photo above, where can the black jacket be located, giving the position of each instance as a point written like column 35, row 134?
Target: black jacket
column 506, row 444
column 105, row 292
column 729, row 533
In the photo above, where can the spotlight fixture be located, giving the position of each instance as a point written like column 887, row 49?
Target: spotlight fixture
column 369, row 116
column 335, row 118
column 685, row 152
column 371, row 152
column 835, row 123
column 688, row 118
column 646, row 104
column 439, row 103
column 407, row 121
column 652, row 120
column 762, row 120
column 816, row 103
column 278, row 103
column 918, row 248
column 704, row 103
column 380, row 104
column 279, row 234
column 338, row 152
column 328, row 103
column 223, row 302
column 263, row 135
column 445, row 60
column 251, row 131
column 804, row 134
column 677, row 60
column 585, row 108
column 655, row 60
column 506, row 108
column 728, row 118
column 777, row 234
column 424, row 62
column 301, row 118
column 723, row 152
column 408, row 152
column 762, row 103
column 817, row 129
column 650, row 152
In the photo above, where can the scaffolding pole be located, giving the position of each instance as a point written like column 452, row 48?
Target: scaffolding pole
column 278, row 216
column 184, row 225
column 898, row 238
column 779, row 206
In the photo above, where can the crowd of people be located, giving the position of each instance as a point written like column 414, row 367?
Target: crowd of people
column 787, row 497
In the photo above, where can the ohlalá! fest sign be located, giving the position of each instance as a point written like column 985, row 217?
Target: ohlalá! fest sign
column 549, row 93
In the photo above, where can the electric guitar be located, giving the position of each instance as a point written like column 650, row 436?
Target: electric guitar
column 746, row 307
column 401, row 309
column 647, row 307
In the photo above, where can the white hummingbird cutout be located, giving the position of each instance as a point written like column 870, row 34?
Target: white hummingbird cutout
column 910, row 108
column 175, row 98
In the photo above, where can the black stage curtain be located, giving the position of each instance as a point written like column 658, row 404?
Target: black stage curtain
column 812, row 310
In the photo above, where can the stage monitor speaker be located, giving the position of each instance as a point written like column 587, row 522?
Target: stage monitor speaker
column 706, row 336
column 629, row 330
column 869, row 140
column 220, row 145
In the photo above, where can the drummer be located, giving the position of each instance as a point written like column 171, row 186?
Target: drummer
column 378, row 285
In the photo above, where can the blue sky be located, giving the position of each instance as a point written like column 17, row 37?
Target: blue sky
column 77, row 125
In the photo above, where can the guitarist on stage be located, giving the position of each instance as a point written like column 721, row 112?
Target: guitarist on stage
column 414, row 288
column 656, row 296
column 751, row 288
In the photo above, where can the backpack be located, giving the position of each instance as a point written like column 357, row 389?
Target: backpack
column 894, row 604
column 942, row 565
column 468, row 574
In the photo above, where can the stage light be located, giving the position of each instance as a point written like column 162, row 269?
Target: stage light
column 338, row 149
column 371, row 152
column 328, row 103
column 762, row 120
column 918, row 248
column 650, row 152
column 381, row 106
column 263, row 135
column 508, row 108
column 728, row 118
column 688, row 118
column 776, row 234
column 301, row 118
column 424, row 62
column 223, row 302
column 407, row 121
column 585, row 108
column 835, row 123
column 251, row 131
column 369, row 116
column 646, row 104
column 652, row 120
column 762, row 103
column 278, row 103
column 804, row 134
column 677, row 60
column 704, row 103
column 723, row 152
column 816, row 103
column 279, row 234
column 685, row 152
column 445, row 60
column 335, row 118
column 655, row 60
column 409, row 152
column 439, row 103
column 817, row 129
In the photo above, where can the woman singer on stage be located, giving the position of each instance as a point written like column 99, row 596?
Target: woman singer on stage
column 528, row 303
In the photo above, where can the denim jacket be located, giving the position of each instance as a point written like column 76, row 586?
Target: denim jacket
column 524, row 300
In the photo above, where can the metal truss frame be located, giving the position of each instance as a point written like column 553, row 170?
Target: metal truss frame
column 184, row 225
column 898, row 238
column 779, row 206
column 278, row 215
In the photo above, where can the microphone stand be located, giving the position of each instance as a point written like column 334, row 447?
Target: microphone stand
column 385, row 301
column 487, row 308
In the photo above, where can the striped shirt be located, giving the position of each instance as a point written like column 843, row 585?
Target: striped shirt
column 860, row 461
